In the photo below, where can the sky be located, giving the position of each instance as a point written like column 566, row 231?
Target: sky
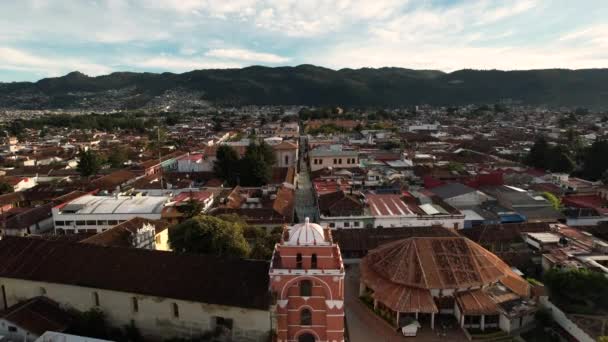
column 49, row 38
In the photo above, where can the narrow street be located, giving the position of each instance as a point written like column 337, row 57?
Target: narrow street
column 305, row 202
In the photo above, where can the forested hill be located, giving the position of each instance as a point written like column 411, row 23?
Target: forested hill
column 310, row 85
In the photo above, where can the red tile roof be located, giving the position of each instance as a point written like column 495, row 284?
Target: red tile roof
column 197, row 278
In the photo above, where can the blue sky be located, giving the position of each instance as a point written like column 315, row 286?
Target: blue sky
column 44, row 38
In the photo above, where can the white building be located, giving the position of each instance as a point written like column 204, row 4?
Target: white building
column 91, row 213
column 192, row 163
column 335, row 157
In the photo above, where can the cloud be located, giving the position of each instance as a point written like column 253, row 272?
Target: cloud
column 178, row 64
column 595, row 34
column 246, row 55
column 98, row 36
column 15, row 59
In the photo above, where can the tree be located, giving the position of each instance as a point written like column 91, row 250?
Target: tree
column 226, row 165
column 89, row 163
column 191, row 208
column 556, row 203
column 578, row 290
column 256, row 165
column 209, row 235
column 118, row 157
column 537, row 157
column 6, row 188
column 559, row 159
column 267, row 153
column 595, row 161
column 157, row 138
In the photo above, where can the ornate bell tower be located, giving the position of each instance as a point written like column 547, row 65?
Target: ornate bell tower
column 307, row 280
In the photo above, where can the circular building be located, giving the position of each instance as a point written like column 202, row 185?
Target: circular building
column 425, row 276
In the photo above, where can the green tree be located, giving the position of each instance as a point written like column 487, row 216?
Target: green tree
column 118, row 157
column 554, row 200
column 226, row 165
column 6, row 188
column 559, row 159
column 89, row 163
column 256, row 165
column 595, row 161
column 537, row 157
column 578, row 290
column 191, row 208
column 209, row 235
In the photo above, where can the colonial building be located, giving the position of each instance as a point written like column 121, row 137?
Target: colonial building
column 166, row 295
column 307, row 280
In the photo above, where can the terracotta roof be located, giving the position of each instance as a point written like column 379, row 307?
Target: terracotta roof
column 26, row 219
column 197, row 278
column 38, row 315
column 476, row 302
column 440, row 263
column 284, row 203
column 339, row 203
column 11, row 198
column 115, row 179
column 285, row 145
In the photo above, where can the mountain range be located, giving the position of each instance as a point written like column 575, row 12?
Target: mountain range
column 309, row 85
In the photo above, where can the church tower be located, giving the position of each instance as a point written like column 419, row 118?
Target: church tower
column 307, row 281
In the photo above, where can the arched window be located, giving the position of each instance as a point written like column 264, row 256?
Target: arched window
column 313, row 261
column 286, row 160
column 305, row 288
column 305, row 317
column 299, row 261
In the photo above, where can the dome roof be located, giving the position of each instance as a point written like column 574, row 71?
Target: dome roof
column 306, row 234
column 437, row 263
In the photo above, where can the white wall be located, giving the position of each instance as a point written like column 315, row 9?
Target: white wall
column 97, row 217
column 560, row 317
column 154, row 317
column 17, row 335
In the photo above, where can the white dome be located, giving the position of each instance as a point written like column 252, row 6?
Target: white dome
column 306, row 234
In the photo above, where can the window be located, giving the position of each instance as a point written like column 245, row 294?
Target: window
column 313, row 261
column 102, row 223
column 12, row 329
column 112, row 222
column 91, row 223
column 340, row 161
column 346, row 224
column 332, row 225
column 356, row 224
column 80, row 223
column 305, row 317
column 95, row 299
column 175, row 310
column 299, row 261
column 135, row 304
column 286, row 160
column 223, row 323
column 59, row 223
column 305, row 288
column 69, row 223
